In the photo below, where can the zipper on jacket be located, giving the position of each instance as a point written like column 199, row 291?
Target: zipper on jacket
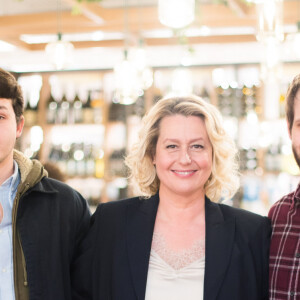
column 14, row 217
column 23, row 262
column 14, row 225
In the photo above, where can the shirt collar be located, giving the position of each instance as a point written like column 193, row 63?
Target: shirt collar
column 10, row 180
column 13, row 181
column 15, row 177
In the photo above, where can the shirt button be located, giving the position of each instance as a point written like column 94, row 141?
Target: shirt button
column 297, row 254
column 3, row 270
column 292, row 293
column 1, row 231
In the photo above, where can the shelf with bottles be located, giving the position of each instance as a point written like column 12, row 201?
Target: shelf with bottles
column 115, row 141
column 89, row 110
column 76, row 149
column 239, row 101
column 63, row 99
column 268, row 167
column 31, row 88
column 84, row 133
column 260, row 190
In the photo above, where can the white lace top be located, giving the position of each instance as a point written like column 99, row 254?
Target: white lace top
column 175, row 275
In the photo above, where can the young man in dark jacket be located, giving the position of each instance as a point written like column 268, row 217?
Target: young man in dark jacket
column 41, row 220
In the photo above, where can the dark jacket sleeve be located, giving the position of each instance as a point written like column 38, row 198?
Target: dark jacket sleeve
column 266, row 235
column 81, row 273
column 83, row 217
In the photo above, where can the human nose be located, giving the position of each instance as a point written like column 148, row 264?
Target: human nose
column 185, row 157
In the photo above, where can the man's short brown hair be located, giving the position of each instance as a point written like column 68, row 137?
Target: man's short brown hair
column 10, row 89
column 290, row 100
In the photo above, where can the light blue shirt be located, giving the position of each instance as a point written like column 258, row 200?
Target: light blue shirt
column 8, row 191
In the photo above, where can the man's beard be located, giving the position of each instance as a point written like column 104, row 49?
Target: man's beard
column 296, row 155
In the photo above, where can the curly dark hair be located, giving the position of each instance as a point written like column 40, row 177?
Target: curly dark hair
column 10, row 89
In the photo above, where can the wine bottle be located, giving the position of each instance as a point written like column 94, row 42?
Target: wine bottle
column 77, row 109
column 64, row 110
column 30, row 113
column 99, row 164
column 88, row 114
column 52, row 108
column 90, row 160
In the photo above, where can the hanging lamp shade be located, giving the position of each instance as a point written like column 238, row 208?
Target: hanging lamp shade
column 60, row 52
column 127, row 82
column 293, row 43
column 270, row 20
column 176, row 13
column 145, row 73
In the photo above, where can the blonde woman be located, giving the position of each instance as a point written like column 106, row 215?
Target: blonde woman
column 176, row 241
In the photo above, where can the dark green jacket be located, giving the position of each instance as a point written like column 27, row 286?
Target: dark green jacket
column 49, row 219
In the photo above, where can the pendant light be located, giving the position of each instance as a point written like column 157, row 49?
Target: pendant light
column 270, row 20
column 293, row 39
column 293, row 42
column 59, row 52
column 127, row 88
column 145, row 73
column 176, row 13
column 270, row 34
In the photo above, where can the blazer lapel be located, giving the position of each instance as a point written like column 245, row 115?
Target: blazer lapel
column 140, row 225
column 219, row 242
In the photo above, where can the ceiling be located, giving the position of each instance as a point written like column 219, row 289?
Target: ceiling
column 112, row 22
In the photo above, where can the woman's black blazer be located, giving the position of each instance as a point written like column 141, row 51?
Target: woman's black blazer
column 113, row 259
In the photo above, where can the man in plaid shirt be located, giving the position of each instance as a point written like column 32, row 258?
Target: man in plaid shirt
column 285, row 217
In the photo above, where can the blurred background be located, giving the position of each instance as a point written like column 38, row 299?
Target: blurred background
column 91, row 69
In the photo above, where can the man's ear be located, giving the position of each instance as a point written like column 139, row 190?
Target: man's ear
column 20, row 126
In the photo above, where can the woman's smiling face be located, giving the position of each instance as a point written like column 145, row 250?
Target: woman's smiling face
column 183, row 156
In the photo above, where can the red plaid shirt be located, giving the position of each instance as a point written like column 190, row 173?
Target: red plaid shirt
column 285, row 248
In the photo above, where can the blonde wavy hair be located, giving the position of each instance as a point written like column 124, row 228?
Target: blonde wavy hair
column 224, row 179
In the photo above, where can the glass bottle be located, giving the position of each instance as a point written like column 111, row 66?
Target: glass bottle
column 64, row 110
column 52, row 108
column 77, row 109
column 88, row 114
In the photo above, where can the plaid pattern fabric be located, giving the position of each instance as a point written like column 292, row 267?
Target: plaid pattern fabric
column 285, row 248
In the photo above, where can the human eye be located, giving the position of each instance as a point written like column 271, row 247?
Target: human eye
column 197, row 146
column 172, row 146
column 2, row 117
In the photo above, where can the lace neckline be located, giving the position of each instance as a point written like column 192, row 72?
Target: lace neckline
column 181, row 258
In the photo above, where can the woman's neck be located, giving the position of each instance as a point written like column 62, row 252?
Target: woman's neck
column 180, row 221
column 176, row 208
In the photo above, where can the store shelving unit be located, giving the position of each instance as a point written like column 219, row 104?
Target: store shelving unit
column 92, row 151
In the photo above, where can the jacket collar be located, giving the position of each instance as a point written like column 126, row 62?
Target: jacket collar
column 31, row 171
column 45, row 187
column 140, row 225
column 219, row 240
column 218, row 244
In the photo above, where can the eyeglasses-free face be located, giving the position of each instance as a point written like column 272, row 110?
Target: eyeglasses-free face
column 183, row 157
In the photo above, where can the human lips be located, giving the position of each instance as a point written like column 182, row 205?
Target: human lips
column 184, row 172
